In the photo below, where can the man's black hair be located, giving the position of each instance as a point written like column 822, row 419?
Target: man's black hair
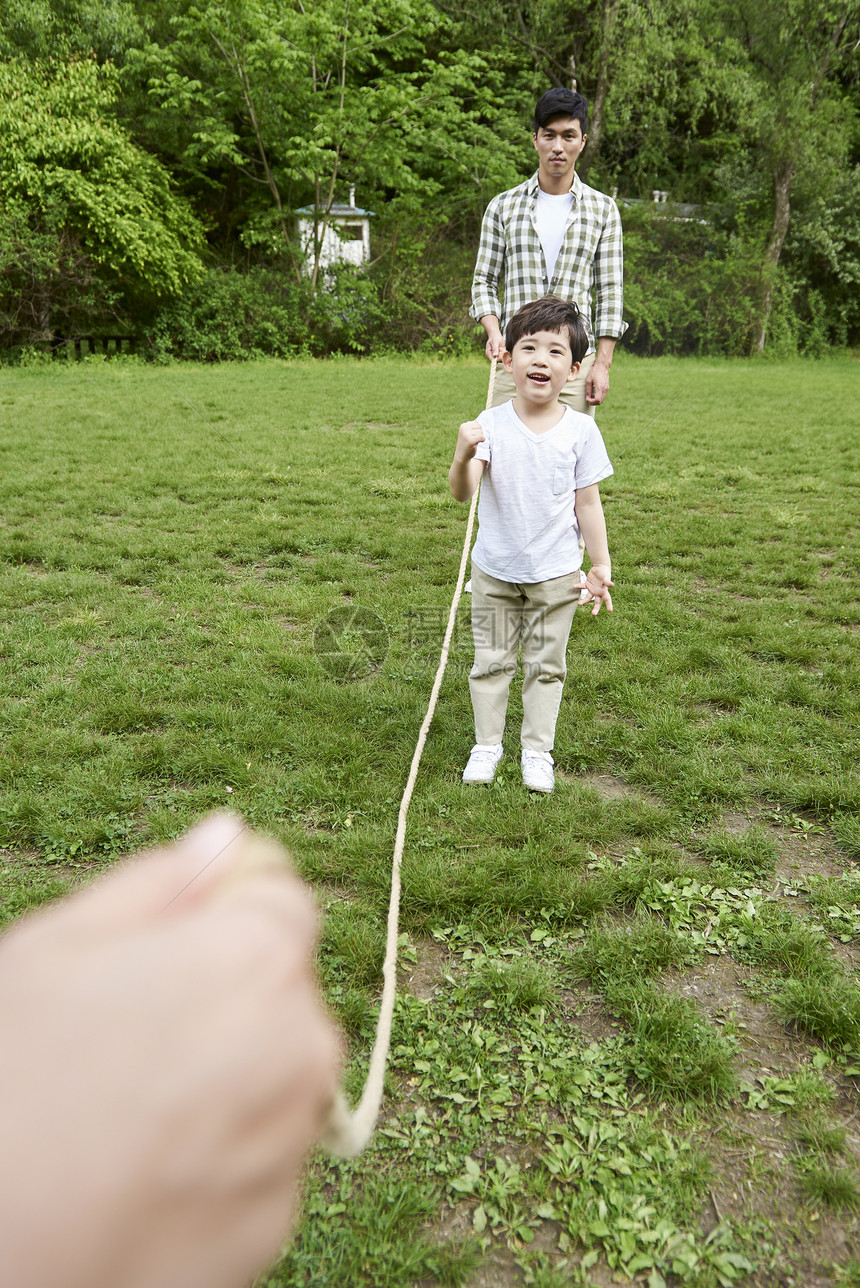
column 561, row 102
column 549, row 313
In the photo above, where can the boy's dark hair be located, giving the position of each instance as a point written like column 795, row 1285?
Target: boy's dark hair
column 549, row 313
column 561, row 102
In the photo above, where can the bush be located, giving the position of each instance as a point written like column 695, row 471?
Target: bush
column 688, row 287
column 229, row 315
column 49, row 285
column 265, row 312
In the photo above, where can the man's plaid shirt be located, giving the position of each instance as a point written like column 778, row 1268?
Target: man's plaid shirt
column 590, row 260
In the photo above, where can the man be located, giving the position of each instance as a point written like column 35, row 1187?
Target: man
column 553, row 235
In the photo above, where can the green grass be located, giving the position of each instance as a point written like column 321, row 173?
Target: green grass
column 615, row 956
column 817, row 1135
column 674, row 1051
column 835, row 1187
column 790, row 945
column 227, row 587
column 827, row 1008
column 515, row 984
column 750, row 853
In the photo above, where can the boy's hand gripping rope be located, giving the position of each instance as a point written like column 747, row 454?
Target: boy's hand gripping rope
column 347, row 1131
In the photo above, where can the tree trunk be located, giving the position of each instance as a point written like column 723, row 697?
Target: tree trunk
column 609, row 12
column 783, row 180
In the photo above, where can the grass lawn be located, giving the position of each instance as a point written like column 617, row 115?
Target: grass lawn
column 627, row 1041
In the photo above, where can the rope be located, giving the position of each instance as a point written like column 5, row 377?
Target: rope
column 347, row 1132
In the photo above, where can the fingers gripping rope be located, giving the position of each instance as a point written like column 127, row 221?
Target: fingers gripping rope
column 347, row 1132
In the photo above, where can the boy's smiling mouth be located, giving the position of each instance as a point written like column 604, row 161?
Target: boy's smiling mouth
column 540, row 376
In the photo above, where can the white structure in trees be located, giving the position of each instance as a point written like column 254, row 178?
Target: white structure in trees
column 345, row 234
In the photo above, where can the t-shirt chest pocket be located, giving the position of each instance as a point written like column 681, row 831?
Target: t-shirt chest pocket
column 562, row 479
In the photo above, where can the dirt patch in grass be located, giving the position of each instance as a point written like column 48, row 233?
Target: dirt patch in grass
column 588, row 1013
column 765, row 1045
column 801, row 856
column 801, row 853
column 611, row 788
column 755, row 1182
column 425, row 975
column 497, row 1271
column 753, row 1151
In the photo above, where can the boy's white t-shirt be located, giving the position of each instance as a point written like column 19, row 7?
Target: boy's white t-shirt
column 527, row 526
column 551, row 215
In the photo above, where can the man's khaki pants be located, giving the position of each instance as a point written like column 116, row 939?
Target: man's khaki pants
column 573, row 392
column 506, row 616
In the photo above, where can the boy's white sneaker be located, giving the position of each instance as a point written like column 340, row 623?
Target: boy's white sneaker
column 483, row 763
column 538, row 774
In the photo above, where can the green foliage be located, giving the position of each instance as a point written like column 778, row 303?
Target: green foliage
column 255, row 108
column 305, row 102
column 822, row 255
column 48, row 283
column 62, row 28
column 687, row 287
column 264, row 312
column 100, row 211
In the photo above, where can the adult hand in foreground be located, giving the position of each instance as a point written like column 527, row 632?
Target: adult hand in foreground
column 166, row 1067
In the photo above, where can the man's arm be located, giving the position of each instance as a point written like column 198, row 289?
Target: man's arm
column 466, row 470
column 597, row 380
column 489, row 272
column 495, row 345
column 609, row 325
column 592, row 525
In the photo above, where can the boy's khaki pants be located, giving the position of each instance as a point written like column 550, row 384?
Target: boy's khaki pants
column 573, row 392
column 536, row 616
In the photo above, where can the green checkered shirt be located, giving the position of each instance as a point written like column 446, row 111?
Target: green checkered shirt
column 510, row 258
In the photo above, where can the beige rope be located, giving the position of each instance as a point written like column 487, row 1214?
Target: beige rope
column 347, row 1132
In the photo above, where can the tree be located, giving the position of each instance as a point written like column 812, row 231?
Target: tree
column 801, row 124
column 299, row 100
column 60, row 29
column 95, row 205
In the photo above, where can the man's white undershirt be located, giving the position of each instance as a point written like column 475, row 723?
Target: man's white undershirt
column 551, row 217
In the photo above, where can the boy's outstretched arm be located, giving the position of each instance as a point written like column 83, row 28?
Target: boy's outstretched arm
column 465, row 472
column 592, row 525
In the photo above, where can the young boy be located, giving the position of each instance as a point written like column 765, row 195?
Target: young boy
column 541, row 463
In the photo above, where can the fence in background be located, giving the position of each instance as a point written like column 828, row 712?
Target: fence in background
column 83, row 345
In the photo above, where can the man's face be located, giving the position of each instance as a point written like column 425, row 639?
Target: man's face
column 558, row 145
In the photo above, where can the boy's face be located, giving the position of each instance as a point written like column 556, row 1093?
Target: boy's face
column 540, row 364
